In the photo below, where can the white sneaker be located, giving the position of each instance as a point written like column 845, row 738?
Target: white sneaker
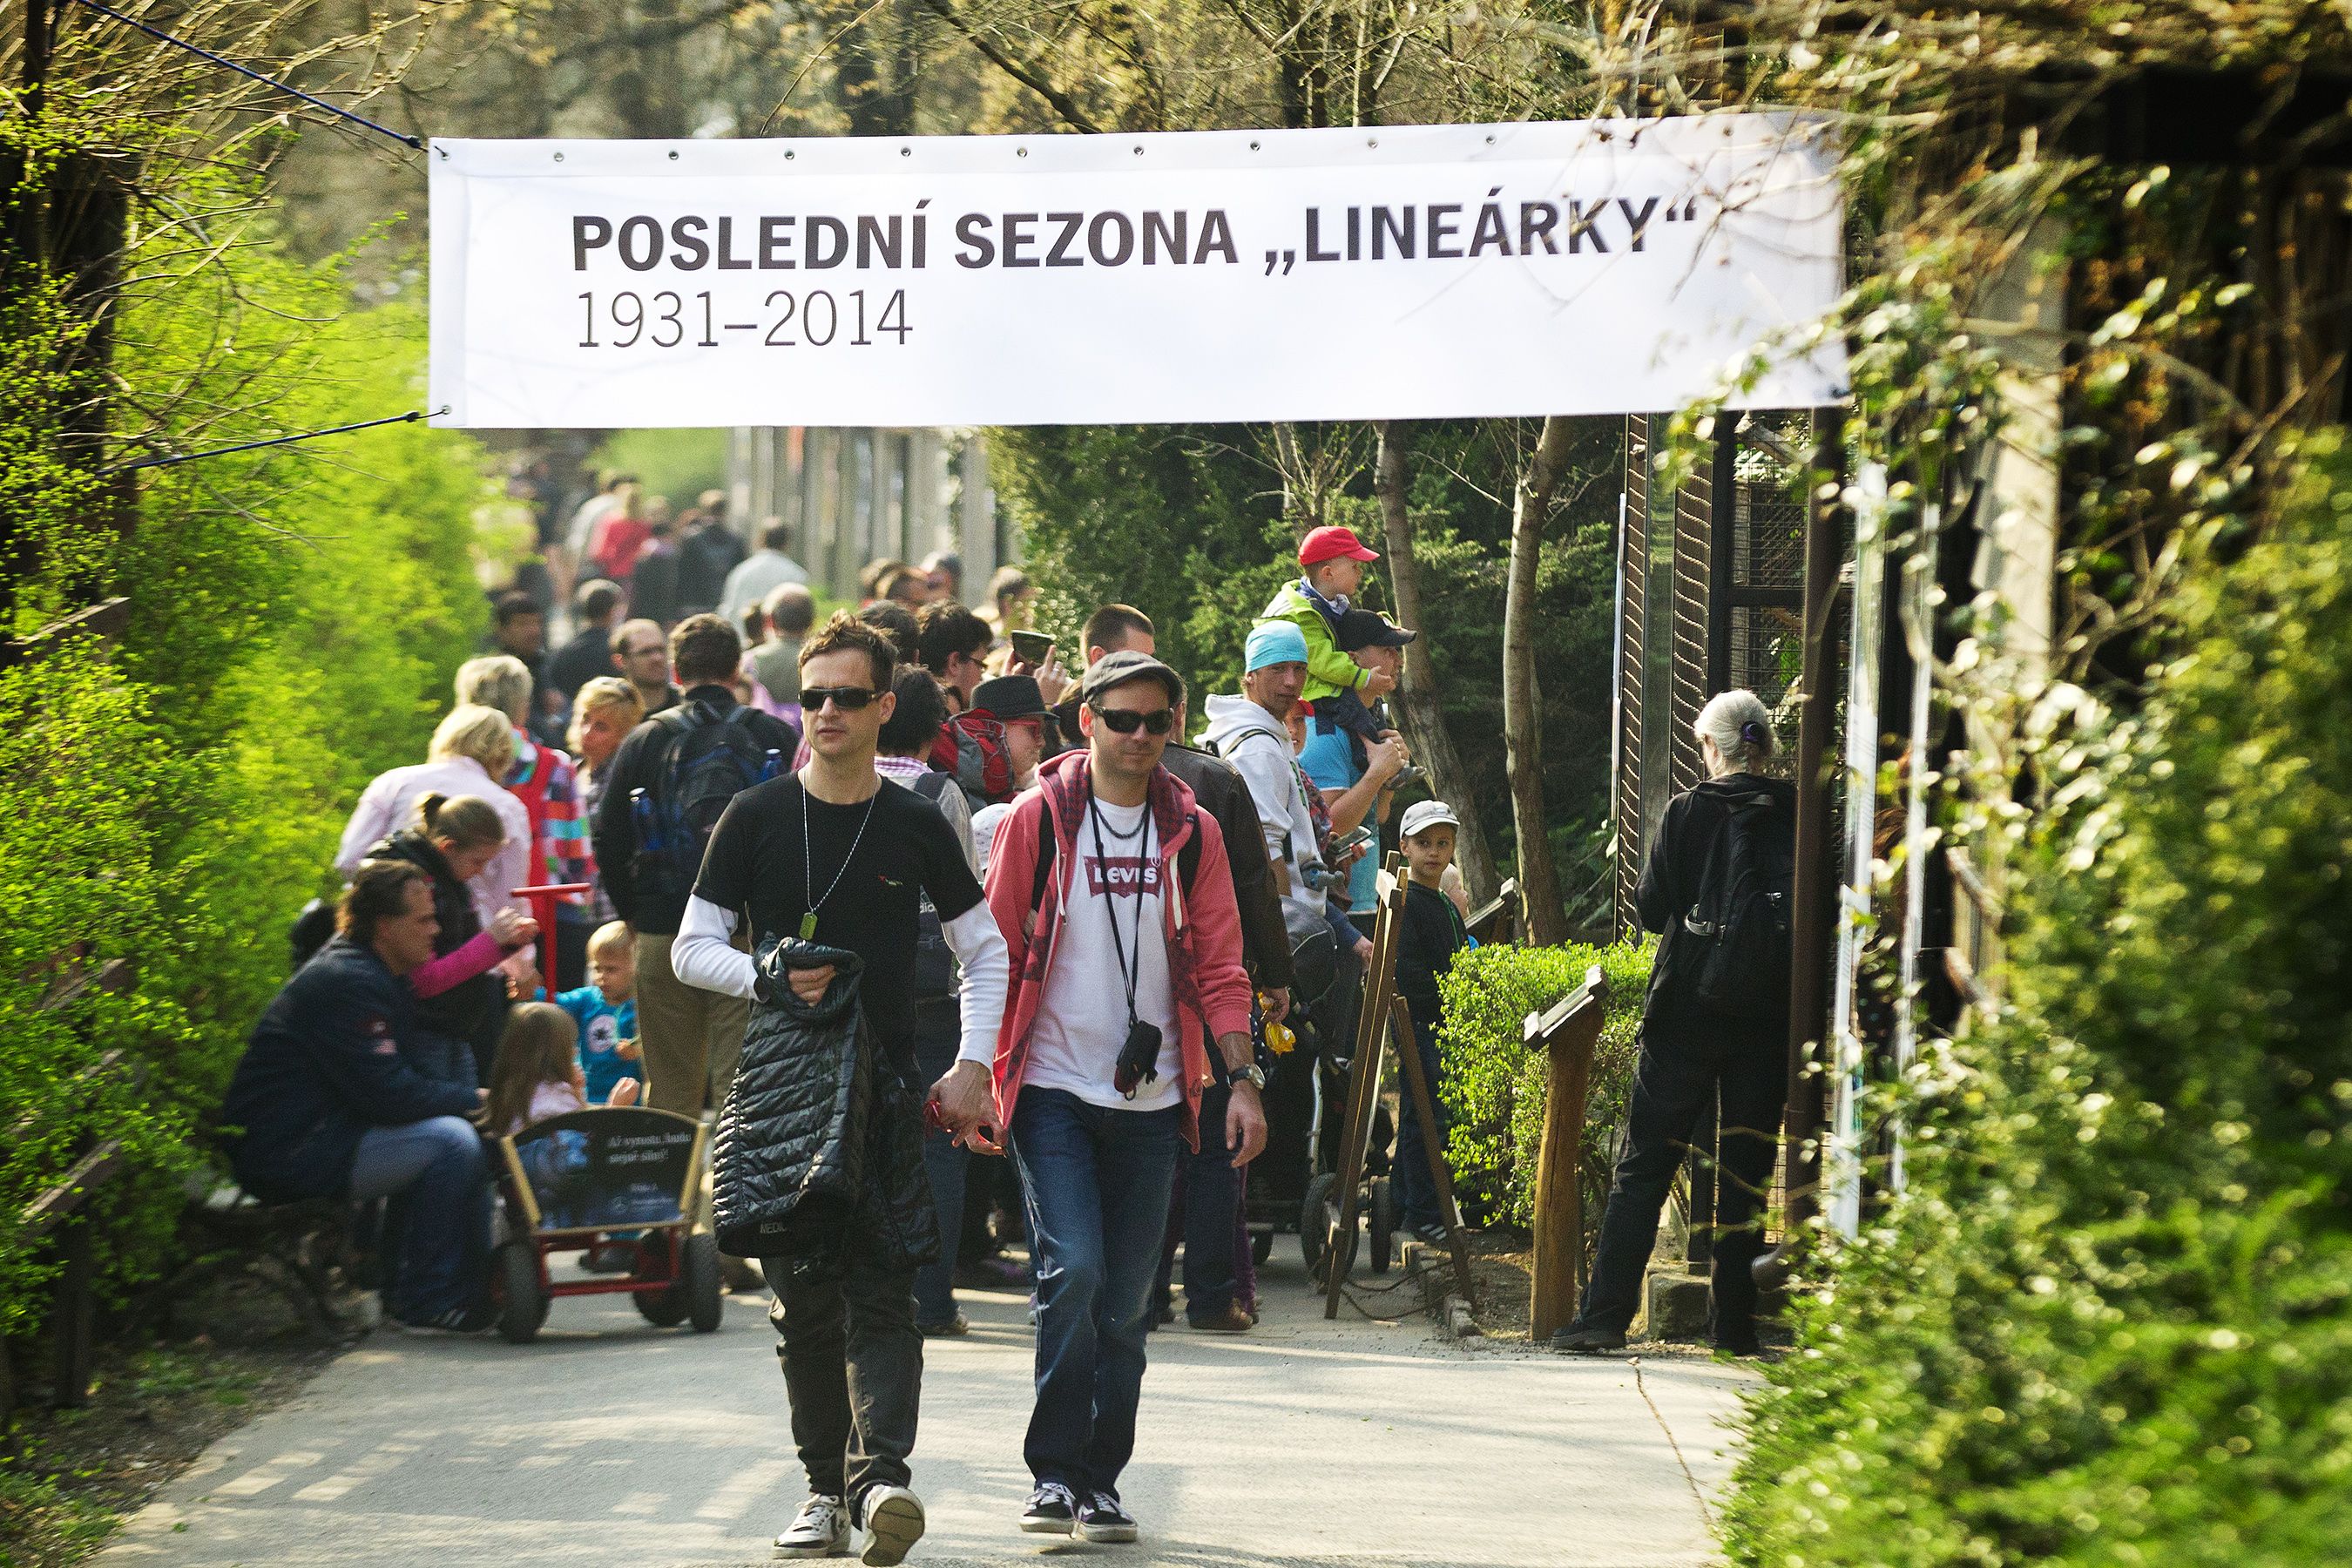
column 894, row 1522
column 821, row 1529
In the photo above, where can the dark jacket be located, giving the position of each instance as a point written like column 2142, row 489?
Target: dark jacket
column 819, row 1143
column 705, row 556
column 1219, row 790
column 1676, row 865
column 324, row 1064
column 470, row 1014
column 640, row 763
column 1431, row 934
column 653, row 584
column 582, row 660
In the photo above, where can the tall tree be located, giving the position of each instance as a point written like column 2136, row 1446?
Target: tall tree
column 1419, row 715
column 1546, row 922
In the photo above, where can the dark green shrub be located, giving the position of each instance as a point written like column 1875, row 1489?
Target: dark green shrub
column 2110, row 1320
column 1493, row 1085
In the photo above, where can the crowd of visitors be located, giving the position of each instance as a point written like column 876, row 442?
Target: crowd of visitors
column 1068, row 932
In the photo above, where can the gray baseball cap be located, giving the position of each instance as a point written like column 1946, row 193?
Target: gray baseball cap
column 1126, row 665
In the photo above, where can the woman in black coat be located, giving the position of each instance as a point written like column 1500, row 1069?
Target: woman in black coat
column 462, row 998
column 1692, row 1053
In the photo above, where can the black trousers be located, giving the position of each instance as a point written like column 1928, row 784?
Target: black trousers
column 1684, row 1067
column 853, row 1371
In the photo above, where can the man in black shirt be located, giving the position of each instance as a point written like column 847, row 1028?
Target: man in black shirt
column 590, row 652
column 691, row 1038
column 837, row 855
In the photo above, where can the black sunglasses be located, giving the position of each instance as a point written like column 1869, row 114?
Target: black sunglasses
column 1123, row 721
column 844, row 698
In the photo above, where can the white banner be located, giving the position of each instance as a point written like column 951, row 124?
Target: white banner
column 1398, row 272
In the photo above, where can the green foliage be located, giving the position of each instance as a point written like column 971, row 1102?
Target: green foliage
column 2110, row 1320
column 1493, row 1087
column 1186, row 523
column 173, row 799
column 678, row 464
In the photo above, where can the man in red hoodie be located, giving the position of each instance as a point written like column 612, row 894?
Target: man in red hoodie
column 1129, row 999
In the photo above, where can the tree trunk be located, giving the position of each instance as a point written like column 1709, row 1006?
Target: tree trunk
column 1544, row 922
column 1418, row 712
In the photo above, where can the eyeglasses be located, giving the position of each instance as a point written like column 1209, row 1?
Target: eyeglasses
column 1123, row 721
column 844, row 698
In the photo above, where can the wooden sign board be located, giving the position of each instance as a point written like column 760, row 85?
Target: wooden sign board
column 607, row 1169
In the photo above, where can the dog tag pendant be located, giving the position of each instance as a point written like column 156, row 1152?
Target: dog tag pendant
column 808, row 926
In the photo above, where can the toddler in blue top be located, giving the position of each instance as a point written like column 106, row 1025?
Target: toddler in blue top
column 606, row 1011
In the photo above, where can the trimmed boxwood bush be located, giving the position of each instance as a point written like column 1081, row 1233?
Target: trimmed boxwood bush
column 1493, row 1085
column 2110, row 1320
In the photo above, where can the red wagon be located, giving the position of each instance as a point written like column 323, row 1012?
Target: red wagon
column 609, row 1179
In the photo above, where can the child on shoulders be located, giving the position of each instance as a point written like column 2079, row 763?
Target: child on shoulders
column 1331, row 562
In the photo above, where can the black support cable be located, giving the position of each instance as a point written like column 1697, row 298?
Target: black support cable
column 408, row 418
column 227, row 64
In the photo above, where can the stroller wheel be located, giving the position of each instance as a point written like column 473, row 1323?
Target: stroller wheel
column 1261, row 1245
column 1315, row 1219
column 1382, row 1219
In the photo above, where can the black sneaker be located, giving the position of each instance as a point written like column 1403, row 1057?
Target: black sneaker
column 1578, row 1339
column 1430, row 1231
column 1101, row 1519
column 474, row 1320
column 954, row 1328
column 1053, row 1510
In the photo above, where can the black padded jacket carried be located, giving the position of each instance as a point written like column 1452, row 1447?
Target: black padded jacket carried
column 819, row 1144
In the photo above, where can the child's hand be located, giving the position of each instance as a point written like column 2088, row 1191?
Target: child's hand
column 626, row 1092
column 628, row 1050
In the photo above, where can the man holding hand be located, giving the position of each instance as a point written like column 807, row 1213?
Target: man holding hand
column 1128, row 1001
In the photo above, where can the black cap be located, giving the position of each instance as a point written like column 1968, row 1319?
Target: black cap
column 1010, row 697
column 1126, row 665
column 1365, row 628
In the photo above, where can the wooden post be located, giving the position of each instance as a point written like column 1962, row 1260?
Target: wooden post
column 1364, row 1082
column 70, row 1323
column 1425, row 1098
column 1568, row 1033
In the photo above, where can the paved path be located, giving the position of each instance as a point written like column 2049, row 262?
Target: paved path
column 608, row 1443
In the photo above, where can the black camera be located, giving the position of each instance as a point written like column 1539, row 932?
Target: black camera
column 1138, row 1059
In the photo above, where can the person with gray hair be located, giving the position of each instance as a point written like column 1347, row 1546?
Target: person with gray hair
column 472, row 752
column 1716, row 889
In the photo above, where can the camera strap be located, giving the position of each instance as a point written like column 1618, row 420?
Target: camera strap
column 1130, row 969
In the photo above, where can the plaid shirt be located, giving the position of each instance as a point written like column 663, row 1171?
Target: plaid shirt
column 543, row 779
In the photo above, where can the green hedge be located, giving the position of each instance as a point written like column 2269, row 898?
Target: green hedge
column 173, row 797
column 2110, row 1321
column 1493, row 1086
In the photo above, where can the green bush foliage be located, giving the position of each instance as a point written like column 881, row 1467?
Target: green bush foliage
column 1493, row 1085
column 171, row 798
column 2110, row 1320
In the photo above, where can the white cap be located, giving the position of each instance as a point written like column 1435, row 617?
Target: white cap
column 1423, row 814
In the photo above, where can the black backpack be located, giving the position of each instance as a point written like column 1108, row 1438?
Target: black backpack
column 709, row 762
column 1739, row 926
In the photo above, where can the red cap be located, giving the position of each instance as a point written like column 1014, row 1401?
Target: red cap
column 1333, row 545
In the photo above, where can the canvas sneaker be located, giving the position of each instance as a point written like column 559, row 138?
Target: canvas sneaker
column 1053, row 1510
column 1101, row 1519
column 894, row 1522
column 1575, row 1339
column 821, row 1529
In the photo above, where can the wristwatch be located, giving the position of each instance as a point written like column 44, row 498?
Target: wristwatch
column 1249, row 1073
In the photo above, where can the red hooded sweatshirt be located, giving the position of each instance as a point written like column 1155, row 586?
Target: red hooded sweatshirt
column 1202, row 924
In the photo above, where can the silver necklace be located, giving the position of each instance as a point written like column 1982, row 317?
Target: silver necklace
column 808, row 862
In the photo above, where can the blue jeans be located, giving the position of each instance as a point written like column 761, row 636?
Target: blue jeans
column 1416, row 1190
column 437, row 1237
column 1097, row 1180
column 1208, row 1195
column 935, row 1052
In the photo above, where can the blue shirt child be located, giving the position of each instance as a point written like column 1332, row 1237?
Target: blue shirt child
column 603, row 1026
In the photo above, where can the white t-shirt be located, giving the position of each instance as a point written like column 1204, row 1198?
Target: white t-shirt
column 1074, row 1042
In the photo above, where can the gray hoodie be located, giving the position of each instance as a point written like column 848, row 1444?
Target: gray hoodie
column 1247, row 736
